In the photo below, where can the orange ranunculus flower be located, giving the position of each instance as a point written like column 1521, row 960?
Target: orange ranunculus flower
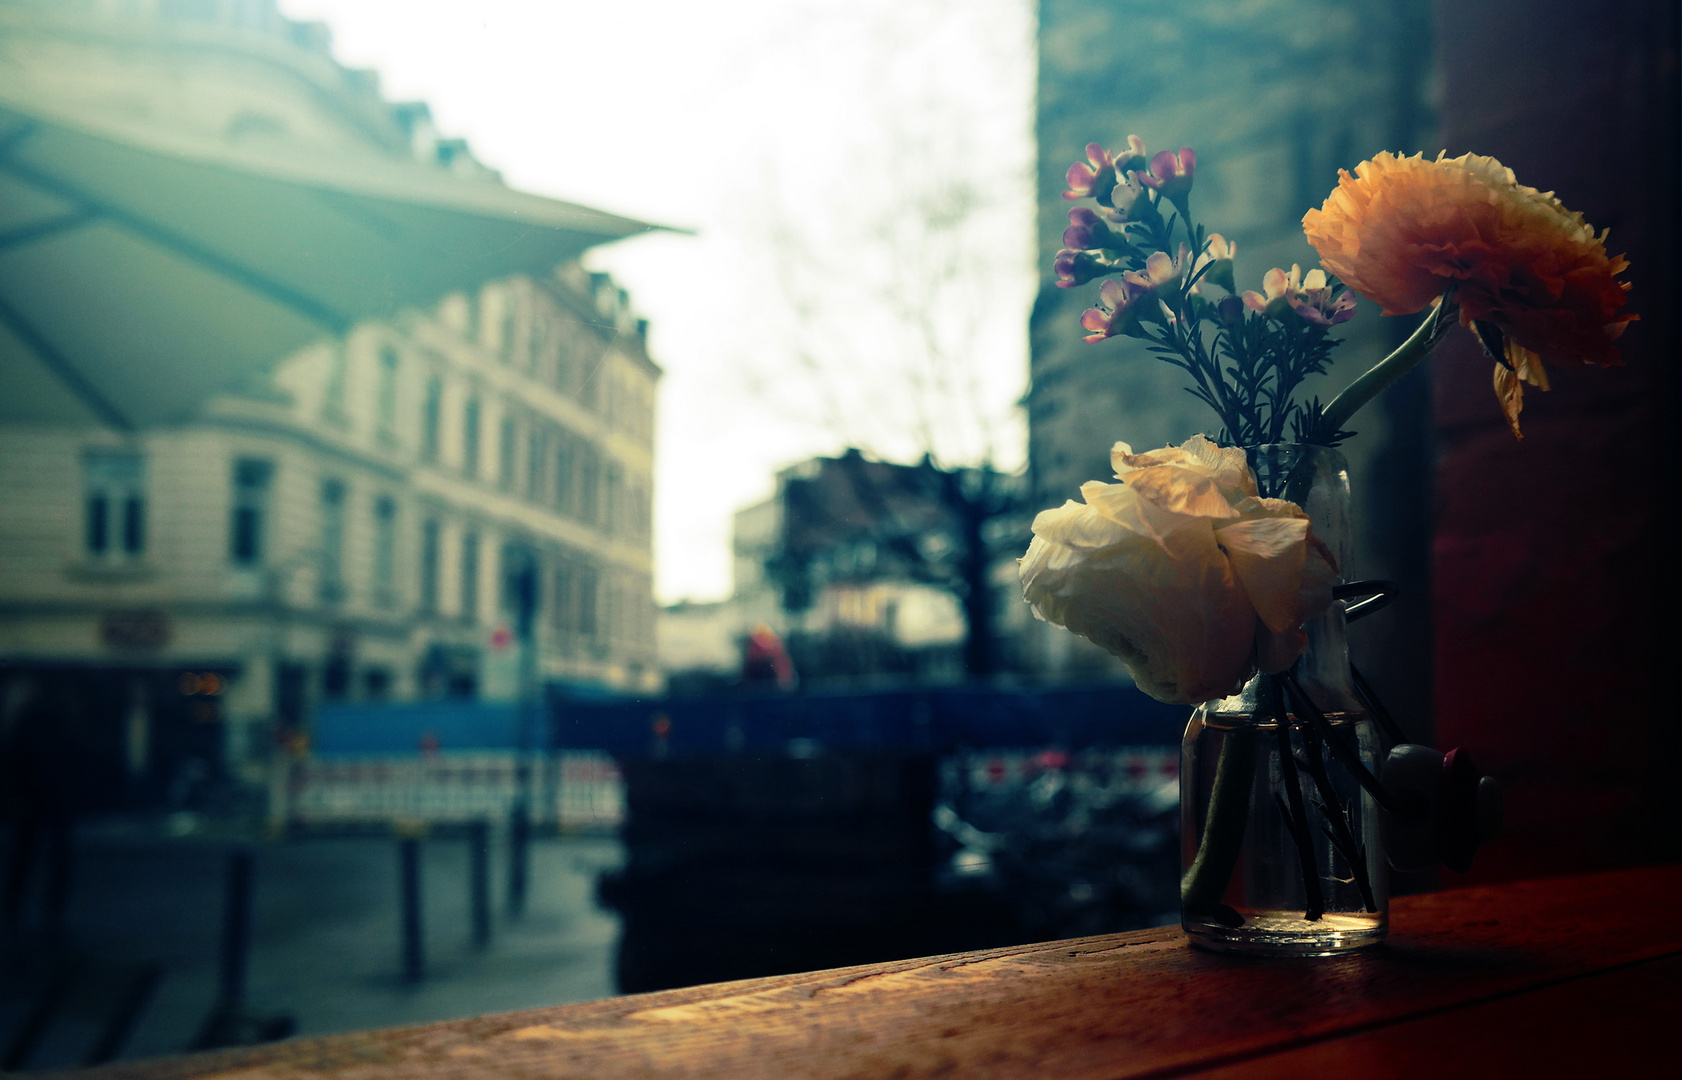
column 1403, row 230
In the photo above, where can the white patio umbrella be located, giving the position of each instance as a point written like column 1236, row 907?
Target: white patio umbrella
column 142, row 271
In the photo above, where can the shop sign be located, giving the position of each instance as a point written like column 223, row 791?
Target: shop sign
column 134, row 630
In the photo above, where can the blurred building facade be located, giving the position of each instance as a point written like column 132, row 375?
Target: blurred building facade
column 357, row 520
column 853, row 561
column 1275, row 97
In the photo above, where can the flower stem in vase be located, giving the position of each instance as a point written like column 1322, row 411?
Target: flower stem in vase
column 1345, row 753
column 1291, row 806
column 1336, row 819
column 1223, row 832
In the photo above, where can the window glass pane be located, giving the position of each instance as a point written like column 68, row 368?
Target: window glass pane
column 333, row 403
column 250, row 510
column 537, row 453
column 429, row 567
column 560, row 604
column 134, row 525
column 589, row 466
column 470, row 578
column 332, row 539
column 613, row 508
column 587, row 586
column 564, row 491
column 429, row 418
column 387, row 403
column 470, row 438
column 98, row 510
column 505, row 454
column 114, row 498
column 385, row 549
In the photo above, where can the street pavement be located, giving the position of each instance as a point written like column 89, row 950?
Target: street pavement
column 145, row 920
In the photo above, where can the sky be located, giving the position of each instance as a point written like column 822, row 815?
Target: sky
column 857, row 176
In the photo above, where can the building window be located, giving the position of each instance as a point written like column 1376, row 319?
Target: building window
column 376, row 684
column 385, row 550
column 564, row 488
column 505, row 454
column 252, row 479
column 386, row 403
column 562, row 334
column 588, row 586
column 470, row 578
column 508, row 329
column 540, row 358
column 431, row 413
column 429, row 567
column 521, row 577
column 332, row 540
column 470, row 438
column 333, row 404
column 613, row 502
column 589, row 486
column 114, row 483
column 537, row 452
column 636, row 512
column 560, row 596
column 336, row 671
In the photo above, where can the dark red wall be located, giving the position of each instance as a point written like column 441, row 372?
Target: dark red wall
column 1554, row 567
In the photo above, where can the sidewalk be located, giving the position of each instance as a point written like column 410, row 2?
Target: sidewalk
column 326, row 940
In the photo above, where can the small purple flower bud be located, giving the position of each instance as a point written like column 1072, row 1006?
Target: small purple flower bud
column 1323, row 312
column 1077, row 268
column 1216, row 263
column 1171, row 175
column 1230, row 310
column 1088, row 231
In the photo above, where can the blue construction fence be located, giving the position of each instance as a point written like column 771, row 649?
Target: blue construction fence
column 379, row 729
column 939, row 720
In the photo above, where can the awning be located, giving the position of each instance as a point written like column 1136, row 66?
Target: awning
column 142, row 272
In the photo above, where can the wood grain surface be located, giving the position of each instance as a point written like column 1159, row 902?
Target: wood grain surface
column 1470, row 982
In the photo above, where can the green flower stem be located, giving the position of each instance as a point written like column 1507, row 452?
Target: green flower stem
column 1223, row 830
column 1296, row 815
column 1416, row 348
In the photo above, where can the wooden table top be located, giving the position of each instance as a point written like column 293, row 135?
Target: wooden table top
column 1539, row 978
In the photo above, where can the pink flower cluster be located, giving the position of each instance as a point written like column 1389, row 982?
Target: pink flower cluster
column 1311, row 296
column 1122, row 304
column 1169, row 174
column 1126, row 185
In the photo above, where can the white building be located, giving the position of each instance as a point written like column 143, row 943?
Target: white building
column 297, row 393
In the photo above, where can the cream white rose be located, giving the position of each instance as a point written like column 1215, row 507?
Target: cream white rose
column 1182, row 570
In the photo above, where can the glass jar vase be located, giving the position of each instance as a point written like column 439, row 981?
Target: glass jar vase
column 1280, row 840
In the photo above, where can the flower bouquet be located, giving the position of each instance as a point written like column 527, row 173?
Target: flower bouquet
column 1218, row 570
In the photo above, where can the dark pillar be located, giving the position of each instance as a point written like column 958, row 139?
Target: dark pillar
column 1554, row 559
column 409, row 884
column 479, row 880
column 519, row 856
column 236, row 930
